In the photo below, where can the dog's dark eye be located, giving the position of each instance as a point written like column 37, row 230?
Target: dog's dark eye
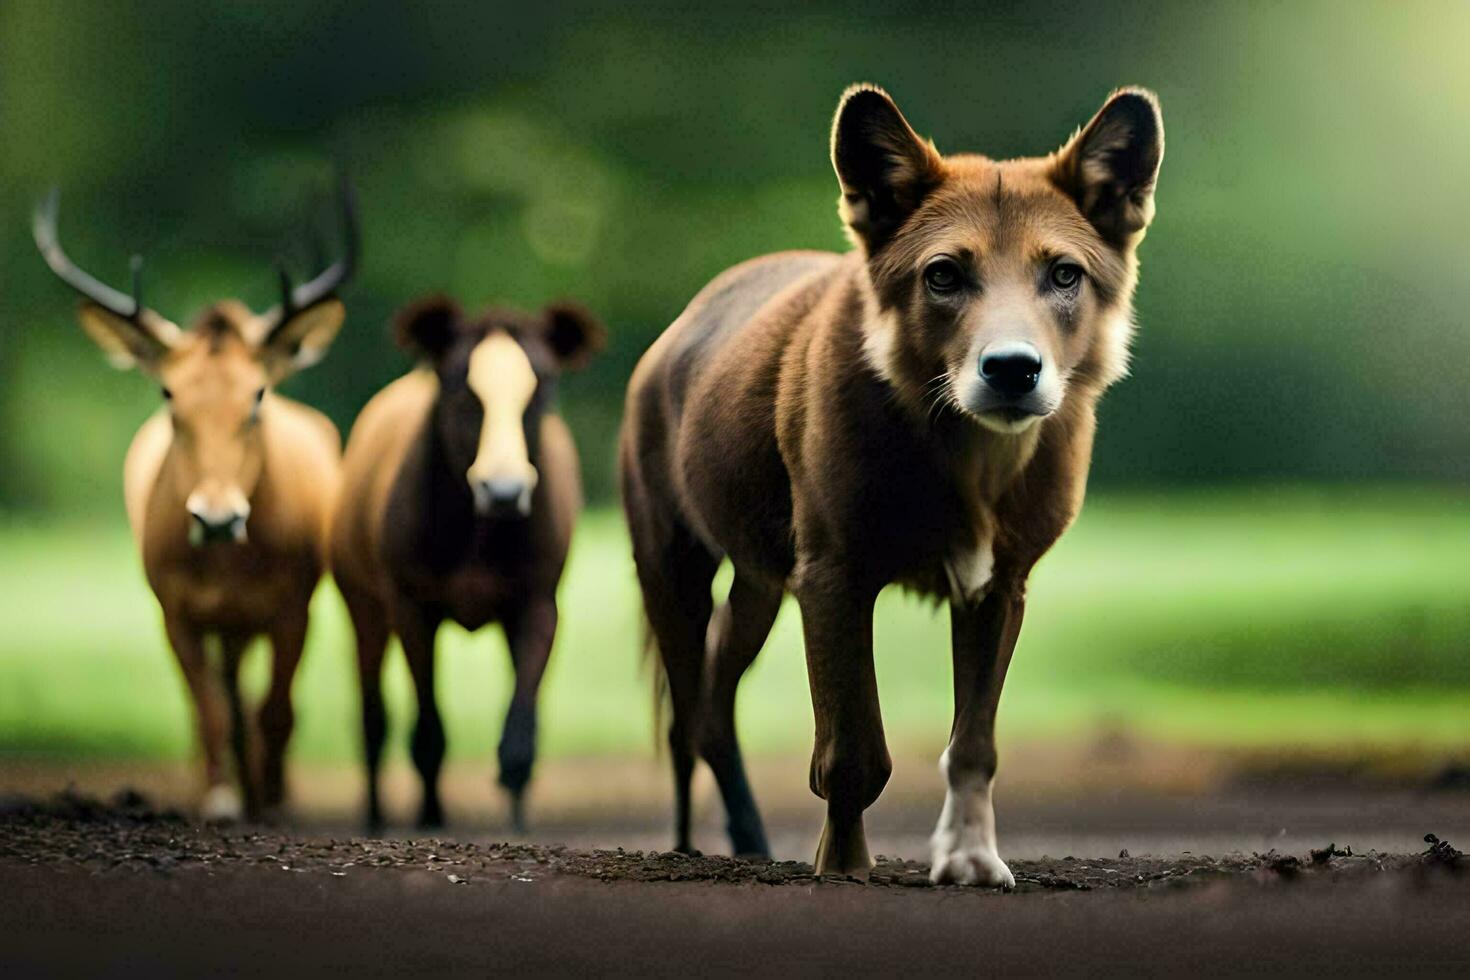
column 1065, row 276
column 168, row 396
column 942, row 276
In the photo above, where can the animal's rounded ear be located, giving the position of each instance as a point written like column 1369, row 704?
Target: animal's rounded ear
column 884, row 168
column 425, row 327
column 573, row 334
column 127, row 343
column 1111, row 165
column 303, row 340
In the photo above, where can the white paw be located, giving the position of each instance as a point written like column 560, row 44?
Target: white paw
column 221, row 804
column 959, row 862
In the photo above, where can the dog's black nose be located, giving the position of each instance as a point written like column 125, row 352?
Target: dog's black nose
column 1012, row 370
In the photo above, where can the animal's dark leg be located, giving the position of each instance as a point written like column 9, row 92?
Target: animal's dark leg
column 736, row 633
column 241, row 736
column 850, row 762
column 675, row 571
column 221, row 798
column 530, row 632
column 984, row 636
column 370, row 624
column 277, row 718
column 416, row 627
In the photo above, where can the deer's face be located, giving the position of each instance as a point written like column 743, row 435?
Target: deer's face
column 215, row 385
column 215, row 378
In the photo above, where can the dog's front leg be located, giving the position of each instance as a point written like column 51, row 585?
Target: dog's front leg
column 850, row 762
column 984, row 636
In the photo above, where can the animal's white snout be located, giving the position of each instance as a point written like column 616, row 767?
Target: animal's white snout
column 502, row 477
column 217, row 515
column 503, row 495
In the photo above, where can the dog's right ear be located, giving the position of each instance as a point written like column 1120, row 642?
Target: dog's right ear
column 425, row 327
column 884, row 168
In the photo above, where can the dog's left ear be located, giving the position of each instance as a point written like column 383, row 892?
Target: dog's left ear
column 884, row 168
column 573, row 334
column 1109, row 168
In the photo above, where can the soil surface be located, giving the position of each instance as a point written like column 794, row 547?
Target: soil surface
column 121, row 886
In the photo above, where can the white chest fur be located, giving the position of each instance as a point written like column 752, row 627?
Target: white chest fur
column 969, row 571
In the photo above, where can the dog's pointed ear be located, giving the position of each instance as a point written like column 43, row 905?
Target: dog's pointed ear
column 1111, row 165
column 425, row 327
column 573, row 334
column 884, row 168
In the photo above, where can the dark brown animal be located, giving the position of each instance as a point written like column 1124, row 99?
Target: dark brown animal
column 917, row 411
column 460, row 488
column 229, row 487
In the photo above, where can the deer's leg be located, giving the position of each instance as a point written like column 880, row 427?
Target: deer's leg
column 221, row 799
column 964, row 844
column 737, row 631
column 277, row 717
column 850, row 761
column 242, row 736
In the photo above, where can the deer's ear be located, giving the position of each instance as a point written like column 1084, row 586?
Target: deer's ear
column 1110, row 167
column 573, row 334
column 425, row 328
column 303, row 340
column 127, row 343
column 884, row 168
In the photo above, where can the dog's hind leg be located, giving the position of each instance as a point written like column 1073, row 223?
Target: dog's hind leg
column 675, row 570
column 736, row 633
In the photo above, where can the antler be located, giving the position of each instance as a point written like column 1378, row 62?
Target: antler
column 325, row 285
column 43, row 227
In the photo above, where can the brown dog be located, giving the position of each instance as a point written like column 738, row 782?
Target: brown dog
column 460, row 487
column 920, row 410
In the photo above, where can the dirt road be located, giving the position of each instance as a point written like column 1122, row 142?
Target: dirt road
column 122, row 888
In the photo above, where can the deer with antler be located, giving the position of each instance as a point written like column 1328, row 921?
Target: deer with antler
column 228, row 487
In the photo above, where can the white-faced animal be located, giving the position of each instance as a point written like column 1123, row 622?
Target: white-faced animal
column 460, row 491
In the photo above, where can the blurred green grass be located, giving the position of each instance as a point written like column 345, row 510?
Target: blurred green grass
column 1234, row 618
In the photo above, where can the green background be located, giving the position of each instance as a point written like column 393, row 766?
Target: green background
column 1277, row 544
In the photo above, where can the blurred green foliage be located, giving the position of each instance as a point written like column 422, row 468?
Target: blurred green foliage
column 1256, row 619
column 1303, row 292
